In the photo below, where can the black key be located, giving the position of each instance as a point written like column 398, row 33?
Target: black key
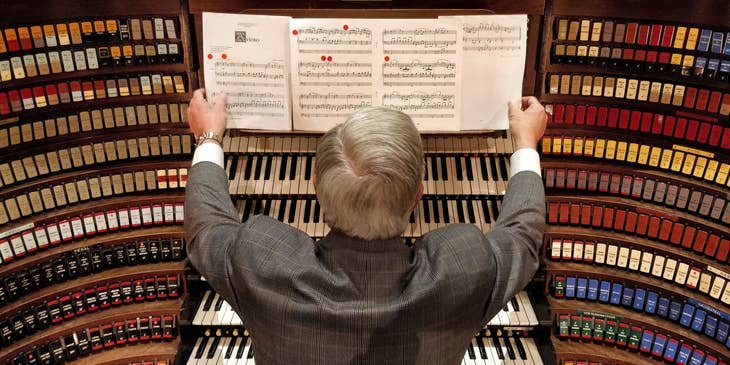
column 257, row 208
column 470, row 210
column 493, row 165
column 470, row 350
column 316, row 211
column 445, row 206
column 208, row 302
column 483, row 167
column 247, row 210
column 425, row 170
column 282, row 168
column 229, row 350
column 503, row 167
column 307, row 208
column 444, row 171
column 459, row 173
column 293, row 210
column 239, row 353
column 498, row 347
column 436, row 215
column 267, row 170
column 282, row 210
column 293, row 167
column 267, row 207
column 213, row 347
column 249, row 165
column 460, row 211
column 257, row 170
column 469, row 171
column 308, row 168
column 434, row 170
column 520, row 348
column 510, row 350
column 201, row 349
column 515, row 304
column 412, row 217
column 482, row 350
column 495, row 205
column 219, row 304
column 485, row 210
column 250, row 352
column 426, row 212
column 234, row 168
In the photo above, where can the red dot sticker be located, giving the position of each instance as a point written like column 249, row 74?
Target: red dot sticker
column 294, row 32
column 345, row 27
column 323, row 58
column 224, row 56
column 210, row 56
column 387, row 58
column 329, row 59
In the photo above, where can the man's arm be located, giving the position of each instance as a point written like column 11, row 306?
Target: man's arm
column 211, row 221
column 516, row 238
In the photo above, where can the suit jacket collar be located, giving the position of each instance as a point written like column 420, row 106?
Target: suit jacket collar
column 338, row 240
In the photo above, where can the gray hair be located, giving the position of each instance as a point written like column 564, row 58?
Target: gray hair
column 369, row 169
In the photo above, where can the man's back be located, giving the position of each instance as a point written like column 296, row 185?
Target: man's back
column 348, row 301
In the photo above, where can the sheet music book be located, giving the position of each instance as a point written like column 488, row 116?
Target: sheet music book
column 448, row 74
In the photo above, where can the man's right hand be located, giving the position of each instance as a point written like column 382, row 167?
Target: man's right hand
column 206, row 116
column 527, row 120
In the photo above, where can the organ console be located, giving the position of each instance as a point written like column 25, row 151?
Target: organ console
column 95, row 151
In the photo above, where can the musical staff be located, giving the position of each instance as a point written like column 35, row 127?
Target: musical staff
column 332, row 104
column 419, row 102
column 335, row 70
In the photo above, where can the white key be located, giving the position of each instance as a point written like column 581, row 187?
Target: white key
column 218, row 356
column 199, row 314
column 526, row 306
column 531, row 347
column 191, row 359
column 210, row 315
column 235, row 343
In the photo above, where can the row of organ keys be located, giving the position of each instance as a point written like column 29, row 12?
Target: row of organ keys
column 464, row 181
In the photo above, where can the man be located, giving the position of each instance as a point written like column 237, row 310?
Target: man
column 359, row 295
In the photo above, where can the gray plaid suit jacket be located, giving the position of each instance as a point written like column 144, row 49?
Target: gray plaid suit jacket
column 343, row 300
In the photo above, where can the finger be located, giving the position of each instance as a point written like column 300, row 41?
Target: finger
column 198, row 95
column 534, row 105
column 527, row 101
column 220, row 102
column 514, row 107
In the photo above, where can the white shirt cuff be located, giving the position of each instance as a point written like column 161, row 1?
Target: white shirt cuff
column 524, row 159
column 211, row 152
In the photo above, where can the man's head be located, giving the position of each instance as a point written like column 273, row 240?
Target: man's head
column 369, row 172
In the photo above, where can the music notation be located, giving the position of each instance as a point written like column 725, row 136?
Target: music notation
column 422, row 54
column 332, row 104
column 420, row 102
column 335, row 70
column 242, row 51
column 494, row 49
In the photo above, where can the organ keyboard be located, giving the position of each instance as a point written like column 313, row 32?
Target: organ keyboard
column 484, row 349
column 212, row 310
column 225, row 341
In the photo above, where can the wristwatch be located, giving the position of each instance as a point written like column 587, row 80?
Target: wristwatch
column 210, row 135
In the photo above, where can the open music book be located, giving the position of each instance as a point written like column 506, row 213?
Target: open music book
column 449, row 74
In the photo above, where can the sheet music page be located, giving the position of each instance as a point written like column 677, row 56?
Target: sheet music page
column 493, row 64
column 420, row 70
column 246, row 57
column 332, row 70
